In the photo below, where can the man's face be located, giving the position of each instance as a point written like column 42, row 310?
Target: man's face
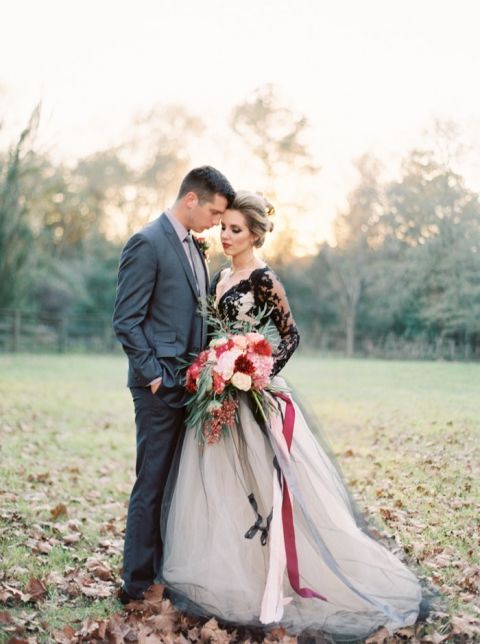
column 208, row 214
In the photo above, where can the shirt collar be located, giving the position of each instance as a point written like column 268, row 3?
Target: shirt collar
column 179, row 228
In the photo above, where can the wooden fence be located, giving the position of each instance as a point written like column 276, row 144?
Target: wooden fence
column 32, row 332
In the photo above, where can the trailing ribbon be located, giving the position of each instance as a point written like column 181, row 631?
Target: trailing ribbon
column 287, row 511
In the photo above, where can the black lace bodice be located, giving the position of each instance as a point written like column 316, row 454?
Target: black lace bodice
column 261, row 291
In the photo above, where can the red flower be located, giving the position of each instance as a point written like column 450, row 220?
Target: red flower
column 244, row 365
column 263, row 348
column 219, row 419
column 218, row 383
column 191, row 384
column 223, row 347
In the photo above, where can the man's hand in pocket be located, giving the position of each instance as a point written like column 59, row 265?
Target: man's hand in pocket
column 155, row 384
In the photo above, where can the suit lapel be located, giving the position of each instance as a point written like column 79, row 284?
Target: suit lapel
column 177, row 246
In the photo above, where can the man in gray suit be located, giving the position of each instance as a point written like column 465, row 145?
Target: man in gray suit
column 157, row 318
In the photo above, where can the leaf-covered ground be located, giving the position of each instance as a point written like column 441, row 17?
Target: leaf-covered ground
column 406, row 435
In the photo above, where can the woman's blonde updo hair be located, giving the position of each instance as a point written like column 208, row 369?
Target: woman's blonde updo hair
column 257, row 212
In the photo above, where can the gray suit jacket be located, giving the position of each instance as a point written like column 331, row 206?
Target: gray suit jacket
column 157, row 317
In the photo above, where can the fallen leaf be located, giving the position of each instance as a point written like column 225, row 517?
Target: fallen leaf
column 379, row 637
column 153, row 597
column 211, row 632
column 58, row 510
column 74, row 537
column 35, row 589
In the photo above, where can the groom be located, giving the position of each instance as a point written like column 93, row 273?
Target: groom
column 162, row 277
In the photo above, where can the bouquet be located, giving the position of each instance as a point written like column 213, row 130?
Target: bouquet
column 235, row 361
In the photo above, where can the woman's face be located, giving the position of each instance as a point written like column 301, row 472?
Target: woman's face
column 236, row 238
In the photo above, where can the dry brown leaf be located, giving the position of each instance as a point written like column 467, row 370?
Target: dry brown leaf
column 64, row 636
column 41, row 547
column 36, row 590
column 9, row 497
column 145, row 636
column 193, row 634
column 5, row 617
column 116, row 629
column 165, row 622
column 74, row 537
column 154, row 595
column 379, row 637
column 211, row 632
column 99, row 569
column 435, row 638
column 93, row 629
column 465, row 625
column 58, row 510
column 279, row 634
column 96, row 590
column 409, row 632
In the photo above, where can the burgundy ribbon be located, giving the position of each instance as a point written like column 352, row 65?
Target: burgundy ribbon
column 287, row 511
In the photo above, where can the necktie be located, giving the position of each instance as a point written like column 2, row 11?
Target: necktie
column 198, row 268
column 199, row 273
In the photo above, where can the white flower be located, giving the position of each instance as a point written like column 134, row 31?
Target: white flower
column 241, row 381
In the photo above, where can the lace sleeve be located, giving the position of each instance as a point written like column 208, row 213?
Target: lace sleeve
column 270, row 292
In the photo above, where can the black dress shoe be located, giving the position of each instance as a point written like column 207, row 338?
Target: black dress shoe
column 125, row 598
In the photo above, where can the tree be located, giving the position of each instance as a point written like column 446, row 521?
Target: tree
column 274, row 133
column 431, row 229
column 15, row 230
column 276, row 136
column 357, row 237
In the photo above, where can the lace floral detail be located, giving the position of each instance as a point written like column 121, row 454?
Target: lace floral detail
column 262, row 290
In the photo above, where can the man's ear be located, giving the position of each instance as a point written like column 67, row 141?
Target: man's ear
column 191, row 200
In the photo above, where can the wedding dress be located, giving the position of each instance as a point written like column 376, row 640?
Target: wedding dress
column 259, row 528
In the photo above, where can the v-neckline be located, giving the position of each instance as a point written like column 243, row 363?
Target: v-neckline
column 245, row 279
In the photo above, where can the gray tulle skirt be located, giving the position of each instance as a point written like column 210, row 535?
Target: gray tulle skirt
column 260, row 533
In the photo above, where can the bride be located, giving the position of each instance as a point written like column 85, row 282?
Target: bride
column 259, row 528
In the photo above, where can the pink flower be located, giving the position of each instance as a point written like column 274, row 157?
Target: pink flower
column 253, row 337
column 240, row 341
column 226, row 346
column 226, row 362
column 263, row 367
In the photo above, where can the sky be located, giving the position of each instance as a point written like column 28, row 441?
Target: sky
column 370, row 75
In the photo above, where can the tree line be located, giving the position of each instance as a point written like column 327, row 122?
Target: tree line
column 401, row 279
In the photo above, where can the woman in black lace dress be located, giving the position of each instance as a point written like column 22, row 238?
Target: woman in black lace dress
column 260, row 529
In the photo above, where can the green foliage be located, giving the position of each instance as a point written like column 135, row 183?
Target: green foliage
column 401, row 279
column 406, row 262
column 15, row 229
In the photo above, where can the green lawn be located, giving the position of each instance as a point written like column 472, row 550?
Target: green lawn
column 406, row 435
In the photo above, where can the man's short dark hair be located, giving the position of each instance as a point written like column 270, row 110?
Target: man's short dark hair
column 206, row 182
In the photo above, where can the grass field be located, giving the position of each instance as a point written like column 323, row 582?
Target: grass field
column 406, row 435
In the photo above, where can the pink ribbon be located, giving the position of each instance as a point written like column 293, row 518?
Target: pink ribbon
column 287, row 511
